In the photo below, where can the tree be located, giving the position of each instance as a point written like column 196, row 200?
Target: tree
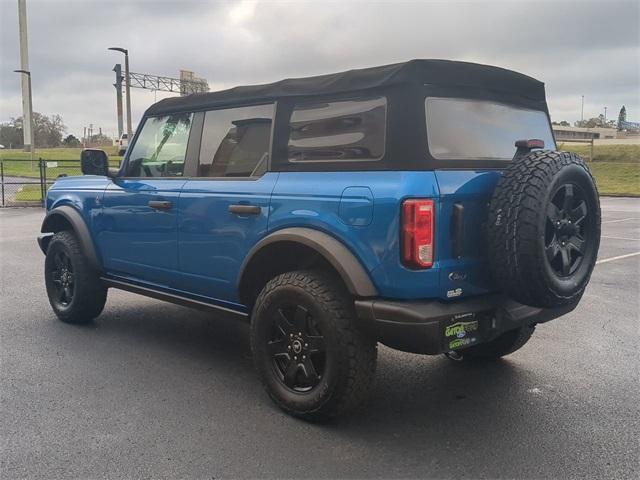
column 47, row 130
column 622, row 118
column 596, row 122
column 71, row 141
column 11, row 135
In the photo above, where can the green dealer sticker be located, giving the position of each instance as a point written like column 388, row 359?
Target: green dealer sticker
column 463, row 332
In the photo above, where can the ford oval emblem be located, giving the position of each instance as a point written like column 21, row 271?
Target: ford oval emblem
column 457, row 276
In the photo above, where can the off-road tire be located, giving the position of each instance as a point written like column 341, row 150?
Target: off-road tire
column 503, row 345
column 350, row 361
column 522, row 236
column 88, row 292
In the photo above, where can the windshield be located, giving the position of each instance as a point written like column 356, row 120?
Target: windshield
column 474, row 129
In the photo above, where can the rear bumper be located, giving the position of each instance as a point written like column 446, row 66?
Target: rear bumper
column 421, row 326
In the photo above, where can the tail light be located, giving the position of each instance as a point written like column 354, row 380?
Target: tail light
column 417, row 233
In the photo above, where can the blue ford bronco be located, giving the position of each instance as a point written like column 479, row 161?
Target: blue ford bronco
column 422, row 205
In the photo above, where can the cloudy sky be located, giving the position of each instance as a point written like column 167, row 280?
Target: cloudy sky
column 575, row 47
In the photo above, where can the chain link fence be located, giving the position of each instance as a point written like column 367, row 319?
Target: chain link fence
column 25, row 182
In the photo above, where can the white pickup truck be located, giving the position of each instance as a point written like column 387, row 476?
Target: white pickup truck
column 122, row 143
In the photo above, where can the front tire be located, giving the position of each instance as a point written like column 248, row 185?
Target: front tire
column 75, row 291
column 312, row 359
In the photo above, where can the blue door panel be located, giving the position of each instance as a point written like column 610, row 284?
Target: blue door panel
column 136, row 240
column 213, row 242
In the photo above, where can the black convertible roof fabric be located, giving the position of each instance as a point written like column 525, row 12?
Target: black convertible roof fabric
column 417, row 72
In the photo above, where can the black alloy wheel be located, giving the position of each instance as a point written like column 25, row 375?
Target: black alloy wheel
column 567, row 231
column 63, row 278
column 297, row 348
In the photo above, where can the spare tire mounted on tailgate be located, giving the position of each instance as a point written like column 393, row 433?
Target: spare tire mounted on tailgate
column 544, row 228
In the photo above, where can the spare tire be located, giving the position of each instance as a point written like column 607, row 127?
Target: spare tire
column 544, row 229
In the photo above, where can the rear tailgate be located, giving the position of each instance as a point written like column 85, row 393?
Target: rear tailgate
column 467, row 137
column 464, row 204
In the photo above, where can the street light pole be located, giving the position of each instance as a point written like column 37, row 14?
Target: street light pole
column 32, row 139
column 127, row 83
column 582, row 110
column 605, row 116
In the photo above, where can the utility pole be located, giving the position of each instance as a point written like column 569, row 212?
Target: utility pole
column 118, row 86
column 28, row 121
column 605, row 116
column 127, row 83
column 27, row 107
column 582, row 110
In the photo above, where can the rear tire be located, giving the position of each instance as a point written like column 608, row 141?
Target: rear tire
column 312, row 359
column 75, row 291
column 505, row 344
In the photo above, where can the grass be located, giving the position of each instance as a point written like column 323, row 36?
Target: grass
column 605, row 153
column 28, row 193
column 617, row 178
column 69, row 161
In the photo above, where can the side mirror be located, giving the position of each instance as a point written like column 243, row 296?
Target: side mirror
column 94, row 162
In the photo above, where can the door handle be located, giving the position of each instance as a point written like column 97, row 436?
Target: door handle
column 160, row 204
column 245, row 209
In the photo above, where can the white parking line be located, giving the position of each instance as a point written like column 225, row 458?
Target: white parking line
column 619, row 257
column 621, row 238
column 620, row 220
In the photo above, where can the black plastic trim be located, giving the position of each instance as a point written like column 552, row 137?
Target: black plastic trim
column 43, row 241
column 78, row 225
column 340, row 257
column 173, row 298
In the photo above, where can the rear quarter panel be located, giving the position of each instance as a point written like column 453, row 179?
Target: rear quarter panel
column 326, row 201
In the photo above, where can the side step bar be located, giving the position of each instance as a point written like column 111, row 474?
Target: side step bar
column 173, row 298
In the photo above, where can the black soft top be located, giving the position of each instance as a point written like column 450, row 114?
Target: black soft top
column 415, row 72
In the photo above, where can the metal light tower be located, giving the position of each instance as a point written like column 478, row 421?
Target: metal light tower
column 27, row 107
column 127, row 86
column 118, row 86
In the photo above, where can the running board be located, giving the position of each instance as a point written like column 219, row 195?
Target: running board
column 173, row 298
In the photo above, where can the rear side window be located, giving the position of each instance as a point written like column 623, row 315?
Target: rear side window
column 350, row 130
column 235, row 142
column 473, row 129
column 161, row 147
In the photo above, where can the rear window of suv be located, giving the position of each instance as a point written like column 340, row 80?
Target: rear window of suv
column 473, row 129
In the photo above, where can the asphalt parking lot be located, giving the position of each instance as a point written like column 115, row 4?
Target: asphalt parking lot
column 152, row 390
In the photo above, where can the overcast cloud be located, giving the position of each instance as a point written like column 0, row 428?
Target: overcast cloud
column 575, row 47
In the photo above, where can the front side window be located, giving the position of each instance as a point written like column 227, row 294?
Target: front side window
column 235, row 142
column 481, row 130
column 338, row 130
column 161, row 147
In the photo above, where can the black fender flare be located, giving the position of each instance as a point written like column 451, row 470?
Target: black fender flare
column 67, row 214
column 336, row 253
